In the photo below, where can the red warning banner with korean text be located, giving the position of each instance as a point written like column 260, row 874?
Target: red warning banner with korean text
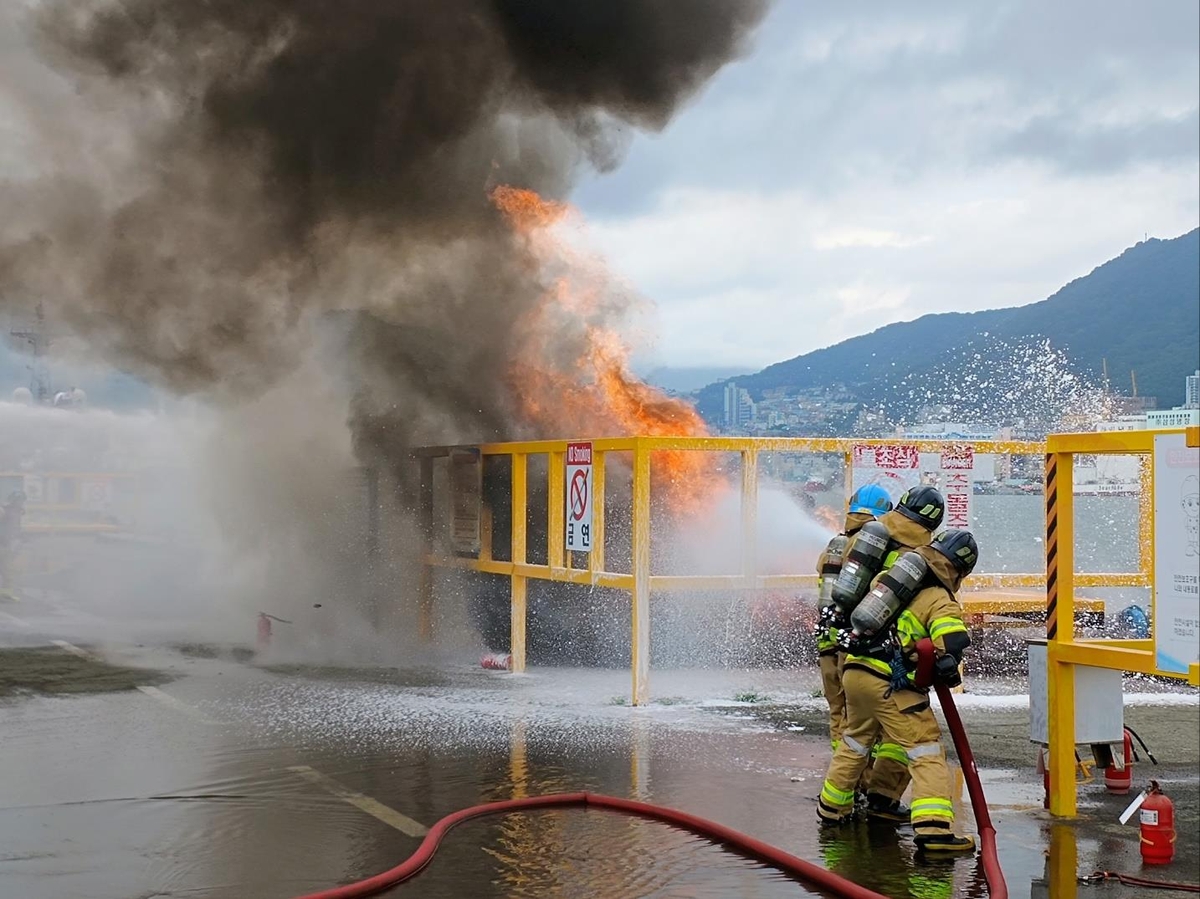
column 957, row 470
column 895, row 468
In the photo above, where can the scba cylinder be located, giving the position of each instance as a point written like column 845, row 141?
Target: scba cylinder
column 831, row 566
column 890, row 596
column 863, row 562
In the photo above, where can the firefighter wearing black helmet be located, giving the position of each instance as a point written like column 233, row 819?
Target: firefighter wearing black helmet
column 882, row 699
column 908, row 526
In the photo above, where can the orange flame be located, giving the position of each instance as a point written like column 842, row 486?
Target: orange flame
column 572, row 376
column 829, row 517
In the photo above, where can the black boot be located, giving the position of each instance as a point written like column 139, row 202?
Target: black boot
column 881, row 808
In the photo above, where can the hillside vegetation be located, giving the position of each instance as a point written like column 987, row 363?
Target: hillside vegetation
column 1140, row 311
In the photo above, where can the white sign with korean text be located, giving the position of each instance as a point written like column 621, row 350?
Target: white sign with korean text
column 894, row 468
column 955, row 476
column 579, row 497
column 1176, row 553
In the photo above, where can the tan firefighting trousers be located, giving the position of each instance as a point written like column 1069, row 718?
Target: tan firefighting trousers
column 904, row 718
column 831, row 685
column 887, row 768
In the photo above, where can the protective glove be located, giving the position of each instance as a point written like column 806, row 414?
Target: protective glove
column 945, row 670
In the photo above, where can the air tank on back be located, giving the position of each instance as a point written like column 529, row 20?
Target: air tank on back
column 888, row 598
column 831, row 566
column 864, row 561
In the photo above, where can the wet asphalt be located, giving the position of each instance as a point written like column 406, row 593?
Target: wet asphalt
column 238, row 780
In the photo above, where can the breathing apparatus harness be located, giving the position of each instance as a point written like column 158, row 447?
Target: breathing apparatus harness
column 873, row 621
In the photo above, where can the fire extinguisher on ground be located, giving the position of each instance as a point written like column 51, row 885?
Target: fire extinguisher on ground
column 1157, row 816
column 1118, row 779
column 264, row 629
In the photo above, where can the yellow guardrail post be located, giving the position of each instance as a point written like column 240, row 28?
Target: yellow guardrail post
column 749, row 515
column 425, row 520
column 640, row 598
column 1060, row 627
column 555, row 513
column 518, row 583
column 595, row 560
column 1146, row 520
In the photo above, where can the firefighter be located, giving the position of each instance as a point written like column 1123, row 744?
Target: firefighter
column 866, row 504
column 889, row 771
column 882, row 698
column 910, row 525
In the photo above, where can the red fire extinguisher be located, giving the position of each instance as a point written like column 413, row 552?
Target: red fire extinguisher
column 264, row 629
column 1119, row 780
column 1157, row 816
column 496, row 661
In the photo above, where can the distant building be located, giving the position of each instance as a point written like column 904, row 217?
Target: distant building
column 1179, row 417
column 1131, row 405
column 1124, row 423
column 740, row 410
column 1187, row 415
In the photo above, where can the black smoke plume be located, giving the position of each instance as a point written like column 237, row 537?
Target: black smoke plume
column 292, row 156
column 215, row 186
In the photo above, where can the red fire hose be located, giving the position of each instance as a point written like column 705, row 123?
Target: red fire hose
column 997, row 888
column 810, row 874
column 807, row 872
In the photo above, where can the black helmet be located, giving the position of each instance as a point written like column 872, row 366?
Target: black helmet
column 924, row 505
column 959, row 547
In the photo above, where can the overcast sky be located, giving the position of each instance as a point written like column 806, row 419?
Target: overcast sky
column 873, row 164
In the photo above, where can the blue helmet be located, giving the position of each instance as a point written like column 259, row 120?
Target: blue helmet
column 871, row 499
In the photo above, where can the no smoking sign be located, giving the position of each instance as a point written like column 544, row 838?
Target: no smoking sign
column 579, row 497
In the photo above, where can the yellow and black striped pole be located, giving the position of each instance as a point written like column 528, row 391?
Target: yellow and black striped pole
column 1060, row 627
column 1051, row 546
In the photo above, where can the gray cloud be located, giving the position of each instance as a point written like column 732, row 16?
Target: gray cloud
column 903, row 90
column 1074, row 146
column 875, row 162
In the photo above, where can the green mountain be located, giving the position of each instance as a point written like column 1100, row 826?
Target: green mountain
column 1140, row 311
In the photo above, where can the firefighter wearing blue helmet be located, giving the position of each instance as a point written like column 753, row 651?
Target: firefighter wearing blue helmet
column 889, row 771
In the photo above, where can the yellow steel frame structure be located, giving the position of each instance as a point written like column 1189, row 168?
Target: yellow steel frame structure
column 1063, row 650
column 68, row 526
column 639, row 581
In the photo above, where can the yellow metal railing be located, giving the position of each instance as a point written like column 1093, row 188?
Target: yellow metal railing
column 639, row 580
column 1063, row 650
column 73, row 509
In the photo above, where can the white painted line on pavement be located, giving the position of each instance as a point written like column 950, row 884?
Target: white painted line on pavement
column 75, row 650
column 177, row 704
column 375, row 809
